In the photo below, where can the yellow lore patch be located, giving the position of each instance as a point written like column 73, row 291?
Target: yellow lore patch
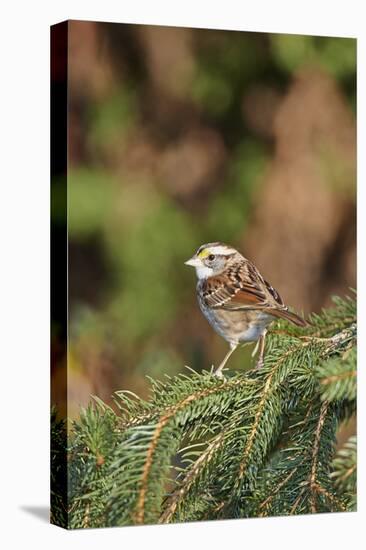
column 204, row 253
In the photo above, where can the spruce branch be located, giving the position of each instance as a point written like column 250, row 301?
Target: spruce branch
column 261, row 442
column 142, row 479
column 337, row 376
column 313, row 479
column 344, row 472
column 191, row 476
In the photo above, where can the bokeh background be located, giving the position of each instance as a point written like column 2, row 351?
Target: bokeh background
column 183, row 136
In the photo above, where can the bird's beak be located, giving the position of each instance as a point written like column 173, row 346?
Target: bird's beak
column 193, row 262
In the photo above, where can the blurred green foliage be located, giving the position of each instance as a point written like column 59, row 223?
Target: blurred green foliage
column 232, row 205
column 112, row 119
column 90, row 201
column 335, row 55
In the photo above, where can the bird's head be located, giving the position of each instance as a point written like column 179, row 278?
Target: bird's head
column 212, row 259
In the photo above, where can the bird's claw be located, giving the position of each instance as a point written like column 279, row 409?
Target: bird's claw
column 259, row 364
column 219, row 374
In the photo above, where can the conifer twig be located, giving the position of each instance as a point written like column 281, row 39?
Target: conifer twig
column 185, row 484
column 268, row 435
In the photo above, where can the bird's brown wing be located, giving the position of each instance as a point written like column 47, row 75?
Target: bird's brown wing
column 242, row 287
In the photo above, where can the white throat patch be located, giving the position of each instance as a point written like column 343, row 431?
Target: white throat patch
column 203, row 272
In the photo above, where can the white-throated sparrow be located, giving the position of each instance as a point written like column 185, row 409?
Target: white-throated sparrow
column 235, row 299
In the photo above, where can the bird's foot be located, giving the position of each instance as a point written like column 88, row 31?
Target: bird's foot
column 259, row 364
column 218, row 373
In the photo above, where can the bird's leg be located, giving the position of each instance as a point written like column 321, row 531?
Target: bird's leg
column 255, row 348
column 218, row 371
column 260, row 345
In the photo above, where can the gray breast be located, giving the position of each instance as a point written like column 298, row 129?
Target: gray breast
column 236, row 326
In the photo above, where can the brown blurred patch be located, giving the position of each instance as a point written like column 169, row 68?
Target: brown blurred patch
column 88, row 72
column 91, row 371
column 170, row 67
column 303, row 232
column 259, row 108
column 90, row 78
column 189, row 167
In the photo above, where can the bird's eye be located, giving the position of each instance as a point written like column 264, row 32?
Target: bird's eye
column 211, row 257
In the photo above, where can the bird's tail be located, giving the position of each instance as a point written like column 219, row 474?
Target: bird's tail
column 289, row 316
